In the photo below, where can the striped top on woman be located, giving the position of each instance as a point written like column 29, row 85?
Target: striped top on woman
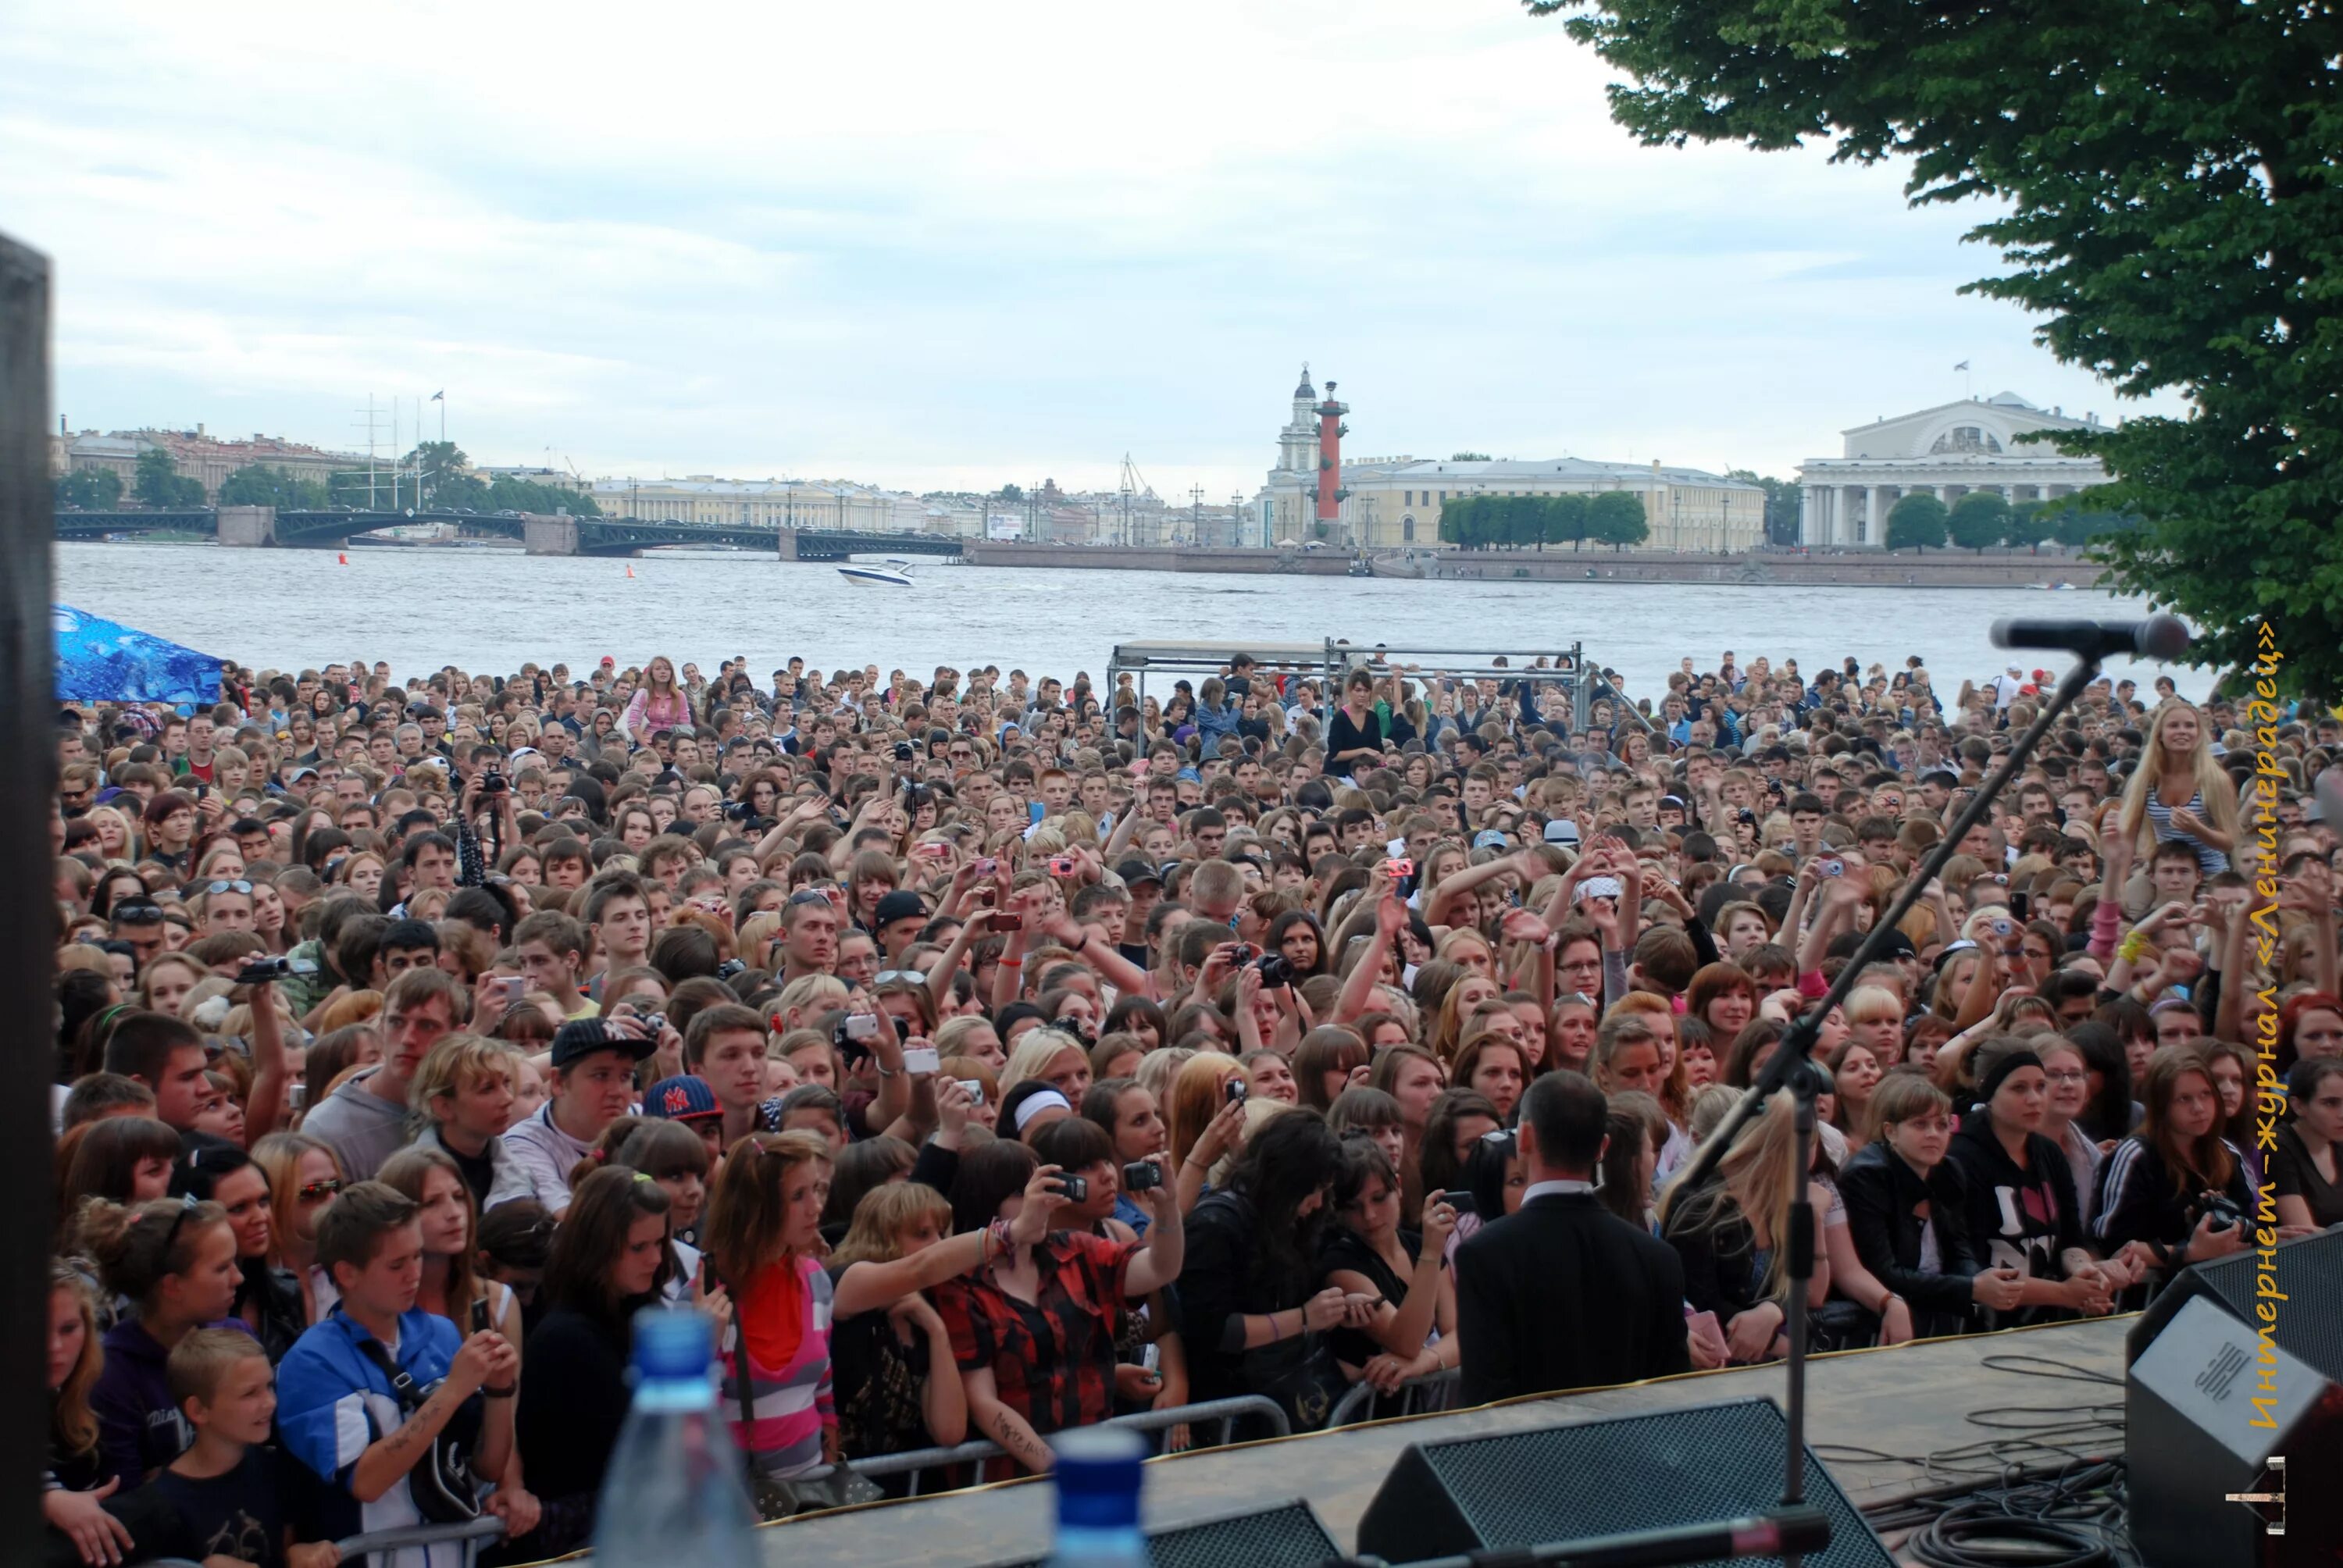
column 776, row 1385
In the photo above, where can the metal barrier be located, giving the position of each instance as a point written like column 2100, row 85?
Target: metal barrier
column 1417, row 1396
column 1224, row 1413
column 487, row 1527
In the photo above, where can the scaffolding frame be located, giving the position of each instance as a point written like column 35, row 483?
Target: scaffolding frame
column 1332, row 659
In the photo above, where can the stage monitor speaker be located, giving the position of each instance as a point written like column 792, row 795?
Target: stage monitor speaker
column 2226, row 1435
column 1602, row 1478
column 1288, row 1534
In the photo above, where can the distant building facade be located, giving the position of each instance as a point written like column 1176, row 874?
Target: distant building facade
column 196, row 454
column 1390, row 503
column 1946, row 451
column 784, row 502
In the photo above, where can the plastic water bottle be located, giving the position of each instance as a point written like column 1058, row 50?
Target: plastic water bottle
column 673, row 1494
column 1098, row 1476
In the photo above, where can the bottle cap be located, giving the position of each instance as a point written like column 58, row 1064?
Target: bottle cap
column 672, row 1344
column 1098, row 1476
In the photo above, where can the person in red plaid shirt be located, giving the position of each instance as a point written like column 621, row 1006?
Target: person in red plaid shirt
column 1033, row 1332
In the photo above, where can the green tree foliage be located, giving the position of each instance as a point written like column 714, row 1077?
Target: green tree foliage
column 1782, row 504
column 439, row 463
column 2173, row 232
column 1917, row 521
column 1565, row 520
column 1492, row 522
column 90, row 491
column 1462, row 457
column 160, row 484
column 2074, row 527
column 1979, row 519
column 258, row 485
column 1615, row 517
column 2030, row 523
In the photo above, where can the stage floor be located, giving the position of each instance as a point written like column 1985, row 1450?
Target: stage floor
column 1911, row 1400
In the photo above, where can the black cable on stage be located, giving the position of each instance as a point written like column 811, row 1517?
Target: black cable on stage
column 1984, row 1536
column 2038, row 1493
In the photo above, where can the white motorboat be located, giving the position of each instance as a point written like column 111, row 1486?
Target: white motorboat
column 895, row 573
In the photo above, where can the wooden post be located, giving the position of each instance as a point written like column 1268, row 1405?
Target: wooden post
column 28, row 760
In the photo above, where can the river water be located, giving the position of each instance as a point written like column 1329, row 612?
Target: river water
column 487, row 611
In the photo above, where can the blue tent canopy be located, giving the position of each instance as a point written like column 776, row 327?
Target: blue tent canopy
column 101, row 660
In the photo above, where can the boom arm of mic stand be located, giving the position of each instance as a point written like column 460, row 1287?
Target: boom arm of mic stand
column 1798, row 1039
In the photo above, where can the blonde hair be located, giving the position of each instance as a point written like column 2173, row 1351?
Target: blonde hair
column 1755, row 1179
column 2211, row 781
column 455, row 1062
column 1871, row 1003
column 1035, row 1051
column 886, row 1212
column 809, row 994
column 1195, row 1098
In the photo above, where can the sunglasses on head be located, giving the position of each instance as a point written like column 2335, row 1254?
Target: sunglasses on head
column 310, row 1192
column 228, row 885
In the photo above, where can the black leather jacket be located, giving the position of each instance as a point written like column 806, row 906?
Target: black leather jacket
column 1881, row 1191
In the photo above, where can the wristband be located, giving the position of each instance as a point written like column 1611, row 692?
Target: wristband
column 505, row 1392
column 1013, row 963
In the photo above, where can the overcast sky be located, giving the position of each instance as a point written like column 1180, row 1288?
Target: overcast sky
column 950, row 245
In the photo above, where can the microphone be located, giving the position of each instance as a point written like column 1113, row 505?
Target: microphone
column 2159, row 637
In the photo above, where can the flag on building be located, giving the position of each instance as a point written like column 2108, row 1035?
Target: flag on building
column 1962, row 365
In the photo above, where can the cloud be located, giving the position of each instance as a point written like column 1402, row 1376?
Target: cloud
column 930, row 245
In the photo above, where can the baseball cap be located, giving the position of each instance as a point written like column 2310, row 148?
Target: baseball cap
column 686, row 1098
column 1489, row 838
column 1135, row 872
column 582, row 1037
column 899, row 905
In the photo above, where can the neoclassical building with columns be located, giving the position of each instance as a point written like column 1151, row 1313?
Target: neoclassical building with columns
column 1947, row 450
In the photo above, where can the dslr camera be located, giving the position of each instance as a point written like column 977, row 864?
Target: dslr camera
column 274, row 969
column 1276, row 969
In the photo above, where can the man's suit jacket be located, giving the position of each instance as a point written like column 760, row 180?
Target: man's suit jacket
column 1564, row 1294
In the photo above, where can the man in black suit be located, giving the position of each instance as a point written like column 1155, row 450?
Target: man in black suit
column 1564, row 1294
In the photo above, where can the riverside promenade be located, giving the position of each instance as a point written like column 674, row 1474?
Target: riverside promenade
column 1851, row 568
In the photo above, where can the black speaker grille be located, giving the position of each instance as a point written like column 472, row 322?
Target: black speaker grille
column 2311, row 1319
column 1287, row 1537
column 1284, row 1535
column 1607, row 1477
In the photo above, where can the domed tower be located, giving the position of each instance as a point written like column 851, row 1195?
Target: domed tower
column 1297, row 443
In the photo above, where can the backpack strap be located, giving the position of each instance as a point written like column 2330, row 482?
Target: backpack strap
column 402, row 1385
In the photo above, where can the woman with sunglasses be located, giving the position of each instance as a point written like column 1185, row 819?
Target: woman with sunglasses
column 304, row 1174
column 174, row 1260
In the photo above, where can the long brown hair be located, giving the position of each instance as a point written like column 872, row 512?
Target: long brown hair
column 404, row 1172
column 602, row 1209
column 746, row 1218
column 72, row 1422
column 2206, row 1161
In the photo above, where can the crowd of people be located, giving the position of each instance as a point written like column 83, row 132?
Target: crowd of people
column 995, row 1055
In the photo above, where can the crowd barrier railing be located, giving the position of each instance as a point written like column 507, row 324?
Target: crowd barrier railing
column 1417, row 1396
column 354, row 1549
column 1223, row 1413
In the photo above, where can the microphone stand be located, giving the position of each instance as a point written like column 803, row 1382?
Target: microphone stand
column 1791, row 1068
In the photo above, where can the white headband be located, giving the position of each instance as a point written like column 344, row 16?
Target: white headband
column 1033, row 1105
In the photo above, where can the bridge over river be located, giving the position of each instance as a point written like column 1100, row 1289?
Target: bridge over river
column 561, row 534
